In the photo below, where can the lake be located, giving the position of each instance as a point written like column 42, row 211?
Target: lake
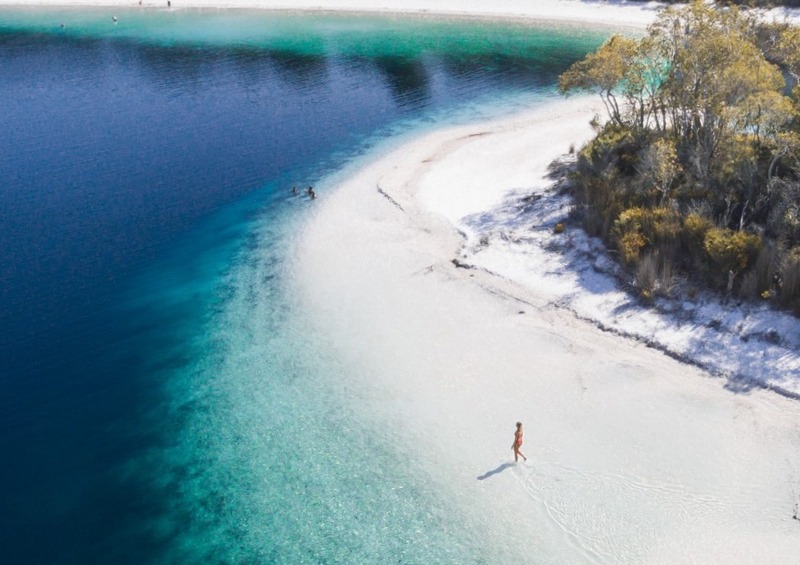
column 162, row 399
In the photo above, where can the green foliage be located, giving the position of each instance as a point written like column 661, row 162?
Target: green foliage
column 696, row 227
column 701, row 148
column 632, row 220
column 783, row 220
column 637, row 229
column 630, row 246
column 731, row 250
column 601, row 72
column 666, row 226
column 647, row 276
column 693, row 234
column 611, row 144
column 659, row 167
column 601, row 173
column 790, row 279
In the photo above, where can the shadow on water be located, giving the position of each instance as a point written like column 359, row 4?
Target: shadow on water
column 495, row 471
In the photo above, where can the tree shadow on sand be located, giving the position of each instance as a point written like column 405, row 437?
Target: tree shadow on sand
column 753, row 345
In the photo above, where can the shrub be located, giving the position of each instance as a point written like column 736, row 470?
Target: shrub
column 764, row 268
column 731, row 250
column 658, row 168
column 667, row 281
column 790, row 277
column 664, row 230
column 607, row 147
column 647, row 275
column 598, row 200
column 631, row 220
column 630, row 246
column 783, row 218
column 749, row 288
column 654, row 276
column 637, row 228
column 594, row 223
column 791, row 222
column 696, row 226
column 693, row 234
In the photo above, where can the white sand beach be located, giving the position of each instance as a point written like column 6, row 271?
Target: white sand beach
column 616, row 13
column 634, row 456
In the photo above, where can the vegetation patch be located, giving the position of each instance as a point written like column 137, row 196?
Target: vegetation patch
column 694, row 173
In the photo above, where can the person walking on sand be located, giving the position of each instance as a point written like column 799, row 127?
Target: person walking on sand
column 518, row 443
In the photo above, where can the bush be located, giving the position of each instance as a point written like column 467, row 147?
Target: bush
column 664, row 229
column 654, row 276
column 783, row 218
column 749, row 288
column 667, row 281
column 610, row 144
column 695, row 228
column 603, row 177
column 647, row 276
column 599, row 202
column 731, row 250
column 693, row 234
column 631, row 220
column 638, row 228
column 757, row 282
column 630, row 246
column 790, row 277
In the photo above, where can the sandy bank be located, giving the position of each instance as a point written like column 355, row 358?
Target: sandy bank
column 616, row 13
column 635, row 457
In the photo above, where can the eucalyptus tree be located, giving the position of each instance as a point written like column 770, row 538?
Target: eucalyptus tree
column 699, row 78
column 603, row 72
column 719, row 86
column 702, row 116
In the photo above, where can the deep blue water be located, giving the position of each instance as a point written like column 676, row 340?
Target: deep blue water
column 145, row 211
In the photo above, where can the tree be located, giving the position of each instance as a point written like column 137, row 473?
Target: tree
column 658, row 167
column 719, row 83
column 700, row 128
column 602, row 72
column 698, row 73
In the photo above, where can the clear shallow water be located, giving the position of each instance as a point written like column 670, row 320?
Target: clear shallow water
column 159, row 402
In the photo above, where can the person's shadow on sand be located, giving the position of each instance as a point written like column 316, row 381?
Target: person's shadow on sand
column 495, row 471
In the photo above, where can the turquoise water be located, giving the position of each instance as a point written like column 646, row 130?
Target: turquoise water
column 164, row 398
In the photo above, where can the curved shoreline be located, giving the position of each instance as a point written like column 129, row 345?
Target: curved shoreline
column 506, row 231
column 615, row 13
column 764, row 344
column 635, row 458
column 457, row 355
